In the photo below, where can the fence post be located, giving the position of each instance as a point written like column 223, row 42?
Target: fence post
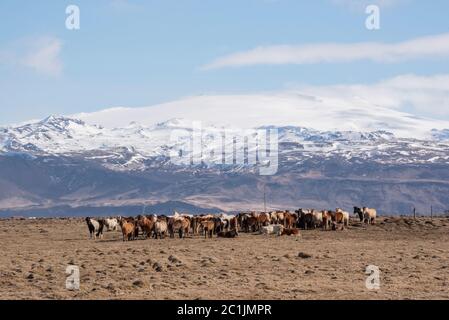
column 414, row 213
column 431, row 212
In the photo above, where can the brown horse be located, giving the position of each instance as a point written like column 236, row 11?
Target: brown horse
column 146, row 224
column 328, row 217
column 289, row 220
column 180, row 225
column 128, row 229
column 263, row 220
column 208, row 227
column 251, row 224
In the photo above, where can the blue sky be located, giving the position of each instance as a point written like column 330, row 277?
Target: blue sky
column 139, row 53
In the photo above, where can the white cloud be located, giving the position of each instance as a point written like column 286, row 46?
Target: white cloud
column 41, row 55
column 403, row 105
column 415, row 94
column 424, row 47
column 44, row 56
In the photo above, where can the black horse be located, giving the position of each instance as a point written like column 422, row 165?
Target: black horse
column 95, row 226
column 305, row 220
column 359, row 211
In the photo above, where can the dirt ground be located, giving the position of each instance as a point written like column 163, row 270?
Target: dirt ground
column 413, row 257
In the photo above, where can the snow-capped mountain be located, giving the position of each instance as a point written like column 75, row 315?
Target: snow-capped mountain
column 329, row 155
column 137, row 146
column 279, row 109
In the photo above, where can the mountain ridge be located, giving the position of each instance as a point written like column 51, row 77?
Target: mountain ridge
column 85, row 163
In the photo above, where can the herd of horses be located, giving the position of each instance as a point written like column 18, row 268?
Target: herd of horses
column 227, row 225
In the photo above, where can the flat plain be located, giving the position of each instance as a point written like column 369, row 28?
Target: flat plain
column 412, row 256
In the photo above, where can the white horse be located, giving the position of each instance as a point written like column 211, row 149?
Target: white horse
column 111, row 224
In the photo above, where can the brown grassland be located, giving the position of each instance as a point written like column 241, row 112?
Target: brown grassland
column 413, row 257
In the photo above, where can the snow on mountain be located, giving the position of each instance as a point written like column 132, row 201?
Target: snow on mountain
column 441, row 135
column 281, row 109
column 60, row 135
column 53, row 133
column 137, row 147
column 385, row 158
column 309, row 127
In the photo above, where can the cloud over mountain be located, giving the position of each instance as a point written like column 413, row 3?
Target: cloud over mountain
column 434, row 46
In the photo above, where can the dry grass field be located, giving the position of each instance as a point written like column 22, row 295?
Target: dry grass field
column 413, row 257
